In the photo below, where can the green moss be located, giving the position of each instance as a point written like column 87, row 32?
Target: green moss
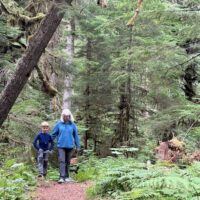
column 86, row 174
column 27, row 106
column 91, row 192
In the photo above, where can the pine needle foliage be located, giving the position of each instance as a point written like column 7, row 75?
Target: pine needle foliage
column 177, row 120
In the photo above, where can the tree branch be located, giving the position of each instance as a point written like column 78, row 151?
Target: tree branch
column 132, row 21
column 23, row 18
column 49, row 88
column 31, row 57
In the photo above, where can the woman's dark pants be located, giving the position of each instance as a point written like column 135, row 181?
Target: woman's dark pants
column 64, row 161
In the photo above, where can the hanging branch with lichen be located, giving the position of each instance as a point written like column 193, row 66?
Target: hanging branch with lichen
column 20, row 17
column 132, row 21
column 51, row 90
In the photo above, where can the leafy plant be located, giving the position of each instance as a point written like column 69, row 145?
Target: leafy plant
column 16, row 179
column 127, row 179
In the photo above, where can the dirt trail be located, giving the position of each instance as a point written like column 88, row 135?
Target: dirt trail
column 55, row 191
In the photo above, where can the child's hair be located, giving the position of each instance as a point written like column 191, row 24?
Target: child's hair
column 44, row 124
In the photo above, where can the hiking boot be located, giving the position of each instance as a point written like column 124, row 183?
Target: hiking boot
column 61, row 180
column 67, row 180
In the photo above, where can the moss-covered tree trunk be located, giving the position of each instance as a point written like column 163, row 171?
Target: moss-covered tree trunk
column 30, row 59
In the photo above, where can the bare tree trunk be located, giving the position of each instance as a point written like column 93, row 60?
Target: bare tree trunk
column 68, row 90
column 30, row 59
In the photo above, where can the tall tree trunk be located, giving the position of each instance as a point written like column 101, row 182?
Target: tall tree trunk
column 128, row 105
column 87, row 95
column 30, row 59
column 125, row 101
column 68, row 90
column 122, row 114
column 128, row 91
column 87, row 117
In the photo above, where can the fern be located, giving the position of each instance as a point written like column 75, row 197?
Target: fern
column 134, row 181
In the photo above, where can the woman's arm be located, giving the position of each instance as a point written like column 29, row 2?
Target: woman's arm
column 51, row 143
column 76, row 137
column 55, row 131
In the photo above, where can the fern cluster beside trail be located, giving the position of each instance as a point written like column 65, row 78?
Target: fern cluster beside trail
column 16, row 179
column 126, row 179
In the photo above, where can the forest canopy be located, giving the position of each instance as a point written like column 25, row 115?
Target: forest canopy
column 128, row 70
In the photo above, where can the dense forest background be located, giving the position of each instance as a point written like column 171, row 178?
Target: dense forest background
column 129, row 86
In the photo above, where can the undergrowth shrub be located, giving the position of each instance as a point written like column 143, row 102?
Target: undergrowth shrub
column 126, row 179
column 16, row 179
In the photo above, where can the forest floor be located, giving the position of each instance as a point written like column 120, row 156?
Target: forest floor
column 53, row 191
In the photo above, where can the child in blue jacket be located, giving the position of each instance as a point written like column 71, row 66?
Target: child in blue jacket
column 43, row 143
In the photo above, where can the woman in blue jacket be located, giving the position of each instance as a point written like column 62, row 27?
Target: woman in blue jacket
column 67, row 138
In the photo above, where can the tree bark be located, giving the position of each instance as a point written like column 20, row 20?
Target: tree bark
column 30, row 59
column 68, row 90
column 102, row 3
column 122, row 114
column 49, row 89
column 132, row 21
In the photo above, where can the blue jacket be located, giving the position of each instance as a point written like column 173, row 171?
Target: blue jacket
column 67, row 135
column 43, row 141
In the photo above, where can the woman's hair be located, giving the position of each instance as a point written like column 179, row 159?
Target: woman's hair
column 67, row 112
